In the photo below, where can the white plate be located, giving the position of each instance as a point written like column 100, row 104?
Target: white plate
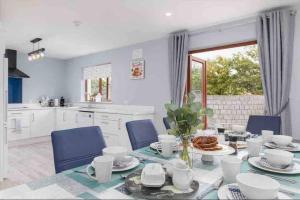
column 133, row 163
column 273, row 146
column 156, row 146
column 223, row 191
column 253, row 161
column 226, row 150
column 240, row 144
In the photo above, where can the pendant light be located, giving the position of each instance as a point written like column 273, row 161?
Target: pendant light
column 36, row 54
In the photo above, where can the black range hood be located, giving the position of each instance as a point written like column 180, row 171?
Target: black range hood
column 13, row 72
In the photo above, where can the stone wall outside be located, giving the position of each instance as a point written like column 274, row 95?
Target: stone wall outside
column 234, row 109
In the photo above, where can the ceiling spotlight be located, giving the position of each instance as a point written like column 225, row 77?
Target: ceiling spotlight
column 76, row 23
column 168, row 14
column 38, row 53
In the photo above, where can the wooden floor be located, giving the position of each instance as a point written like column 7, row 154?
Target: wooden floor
column 28, row 161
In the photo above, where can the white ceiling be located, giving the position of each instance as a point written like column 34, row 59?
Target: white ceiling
column 108, row 24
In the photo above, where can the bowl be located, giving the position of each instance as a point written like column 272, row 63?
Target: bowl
column 118, row 152
column 278, row 157
column 167, row 137
column 256, row 186
column 238, row 128
column 282, row 140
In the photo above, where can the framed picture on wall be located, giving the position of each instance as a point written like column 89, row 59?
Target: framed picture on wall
column 137, row 69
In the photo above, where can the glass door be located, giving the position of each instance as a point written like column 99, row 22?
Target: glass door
column 196, row 81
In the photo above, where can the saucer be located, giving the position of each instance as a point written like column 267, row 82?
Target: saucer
column 294, row 147
column 130, row 165
column 157, row 146
column 224, row 191
column 254, row 161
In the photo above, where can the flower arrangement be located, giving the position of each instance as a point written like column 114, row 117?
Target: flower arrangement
column 185, row 121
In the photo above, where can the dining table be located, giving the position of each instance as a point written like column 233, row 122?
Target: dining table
column 76, row 184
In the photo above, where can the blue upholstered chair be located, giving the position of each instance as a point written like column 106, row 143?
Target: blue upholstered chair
column 256, row 123
column 141, row 133
column 166, row 123
column 76, row 147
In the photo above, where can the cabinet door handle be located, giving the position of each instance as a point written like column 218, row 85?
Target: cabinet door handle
column 64, row 116
column 119, row 124
column 76, row 118
column 19, row 113
column 33, row 117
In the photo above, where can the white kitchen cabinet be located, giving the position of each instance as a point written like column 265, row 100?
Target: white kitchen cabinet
column 42, row 122
column 18, row 125
column 113, row 127
column 66, row 119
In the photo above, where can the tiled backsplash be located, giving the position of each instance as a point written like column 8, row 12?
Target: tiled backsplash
column 230, row 110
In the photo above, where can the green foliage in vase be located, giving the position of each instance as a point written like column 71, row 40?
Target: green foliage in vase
column 185, row 120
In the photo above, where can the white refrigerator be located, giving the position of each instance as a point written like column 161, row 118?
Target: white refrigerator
column 3, row 115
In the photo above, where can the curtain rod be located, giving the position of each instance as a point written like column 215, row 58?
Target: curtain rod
column 230, row 25
column 224, row 26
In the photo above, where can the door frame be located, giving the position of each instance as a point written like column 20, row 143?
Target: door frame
column 190, row 56
column 204, row 78
column 204, row 81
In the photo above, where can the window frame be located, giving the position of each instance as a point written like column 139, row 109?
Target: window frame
column 86, row 85
column 204, row 86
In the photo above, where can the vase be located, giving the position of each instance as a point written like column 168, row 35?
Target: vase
column 185, row 150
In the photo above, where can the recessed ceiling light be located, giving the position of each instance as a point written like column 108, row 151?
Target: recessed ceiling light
column 168, row 14
column 76, row 23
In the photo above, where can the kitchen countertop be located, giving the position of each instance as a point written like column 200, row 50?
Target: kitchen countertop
column 113, row 109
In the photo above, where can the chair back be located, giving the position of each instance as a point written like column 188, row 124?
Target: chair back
column 76, row 147
column 166, row 123
column 141, row 133
column 257, row 123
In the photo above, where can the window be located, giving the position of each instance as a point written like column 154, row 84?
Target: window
column 97, row 83
column 227, row 79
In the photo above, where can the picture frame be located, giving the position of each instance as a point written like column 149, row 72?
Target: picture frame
column 137, row 69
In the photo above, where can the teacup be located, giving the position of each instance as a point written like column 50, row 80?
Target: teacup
column 119, row 153
column 254, row 146
column 231, row 166
column 267, row 135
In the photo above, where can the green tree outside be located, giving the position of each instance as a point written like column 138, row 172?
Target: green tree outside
column 237, row 75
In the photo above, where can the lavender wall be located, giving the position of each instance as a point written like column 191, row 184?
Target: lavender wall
column 154, row 89
column 46, row 78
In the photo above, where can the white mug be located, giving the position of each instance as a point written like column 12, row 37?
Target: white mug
column 166, row 148
column 254, row 146
column 231, row 166
column 103, row 168
column 267, row 135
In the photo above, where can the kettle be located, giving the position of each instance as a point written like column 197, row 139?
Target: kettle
column 62, row 102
